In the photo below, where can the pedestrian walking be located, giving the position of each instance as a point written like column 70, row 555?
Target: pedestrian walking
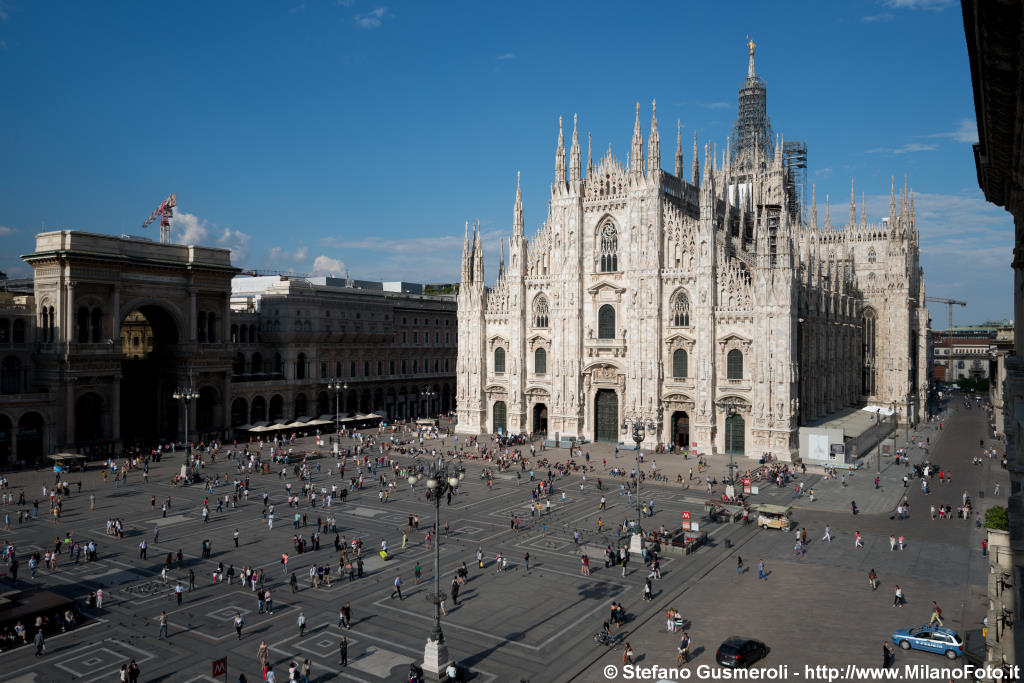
column 761, row 574
column 888, row 655
column 179, row 592
column 40, row 642
column 263, row 655
column 897, row 598
column 828, row 534
column 239, row 623
column 343, row 650
column 301, row 622
column 936, row 614
column 858, row 542
column 739, row 565
column 397, row 590
column 873, row 579
column 162, row 632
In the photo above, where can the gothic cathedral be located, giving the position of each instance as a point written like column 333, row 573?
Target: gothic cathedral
column 707, row 308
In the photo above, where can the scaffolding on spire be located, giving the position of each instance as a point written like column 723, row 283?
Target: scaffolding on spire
column 752, row 137
column 794, row 154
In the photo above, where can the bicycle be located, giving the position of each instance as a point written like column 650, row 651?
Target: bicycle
column 606, row 639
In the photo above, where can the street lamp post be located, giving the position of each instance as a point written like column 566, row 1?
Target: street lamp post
column 636, row 424
column 337, row 386
column 878, row 444
column 186, row 394
column 442, row 477
column 429, row 395
column 730, row 411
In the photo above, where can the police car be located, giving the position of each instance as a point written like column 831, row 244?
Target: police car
column 943, row 641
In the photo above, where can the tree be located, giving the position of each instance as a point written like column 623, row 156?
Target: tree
column 997, row 518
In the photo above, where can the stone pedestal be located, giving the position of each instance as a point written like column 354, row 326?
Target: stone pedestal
column 636, row 544
column 435, row 660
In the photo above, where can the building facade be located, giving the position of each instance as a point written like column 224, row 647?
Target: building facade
column 701, row 303
column 992, row 31
column 93, row 351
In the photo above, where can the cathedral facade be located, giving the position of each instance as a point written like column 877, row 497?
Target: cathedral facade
column 703, row 305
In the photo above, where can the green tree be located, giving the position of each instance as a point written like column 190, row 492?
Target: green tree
column 996, row 518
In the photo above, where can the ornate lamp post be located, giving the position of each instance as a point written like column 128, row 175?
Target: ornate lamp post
column 730, row 411
column 442, row 477
column 429, row 395
column 639, row 429
column 337, row 386
column 186, row 394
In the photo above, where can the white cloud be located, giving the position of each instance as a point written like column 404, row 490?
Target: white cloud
column 884, row 16
column 301, row 7
column 237, row 241
column 325, row 265
column 933, row 5
column 186, row 228
column 449, row 244
column 279, row 256
column 714, row 105
column 905, row 149
column 346, row 3
column 3, row 44
column 966, row 131
column 371, row 19
column 6, row 231
column 507, row 55
column 3, row 10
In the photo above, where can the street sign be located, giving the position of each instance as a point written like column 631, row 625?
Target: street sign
column 220, row 667
column 686, row 520
column 746, row 485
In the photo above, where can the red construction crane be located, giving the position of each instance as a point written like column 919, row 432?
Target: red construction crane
column 166, row 212
column 949, row 332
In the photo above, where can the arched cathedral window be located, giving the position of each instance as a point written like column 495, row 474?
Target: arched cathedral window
column 540, row 311
column 609, row 248
column 606, row 322
column 540, row 361
column 734, row 365
column 499, row 360
column 872, row 257
column 679, row 364
column 680, row 310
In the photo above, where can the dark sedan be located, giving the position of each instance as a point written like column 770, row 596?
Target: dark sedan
column 740, row 652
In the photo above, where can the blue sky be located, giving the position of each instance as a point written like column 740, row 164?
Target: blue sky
column 355, row 135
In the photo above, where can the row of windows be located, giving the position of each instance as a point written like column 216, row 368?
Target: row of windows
column 9, row 332
column 257, row 366
column 679, row 312
column 680, row 363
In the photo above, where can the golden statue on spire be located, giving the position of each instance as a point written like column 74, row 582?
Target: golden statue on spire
column 751, row 45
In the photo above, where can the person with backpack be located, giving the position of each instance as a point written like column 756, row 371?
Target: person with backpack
column 936, row 614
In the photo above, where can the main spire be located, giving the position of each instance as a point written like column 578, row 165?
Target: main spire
column 750, row 65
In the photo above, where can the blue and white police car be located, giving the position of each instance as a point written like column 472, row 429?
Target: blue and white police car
column 943, row 641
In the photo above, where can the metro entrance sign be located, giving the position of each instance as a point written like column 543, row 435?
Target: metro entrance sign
column 686, row 520
column 220, row 667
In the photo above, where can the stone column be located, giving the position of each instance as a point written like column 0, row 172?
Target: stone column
column 115, row 410
column 69, row 410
